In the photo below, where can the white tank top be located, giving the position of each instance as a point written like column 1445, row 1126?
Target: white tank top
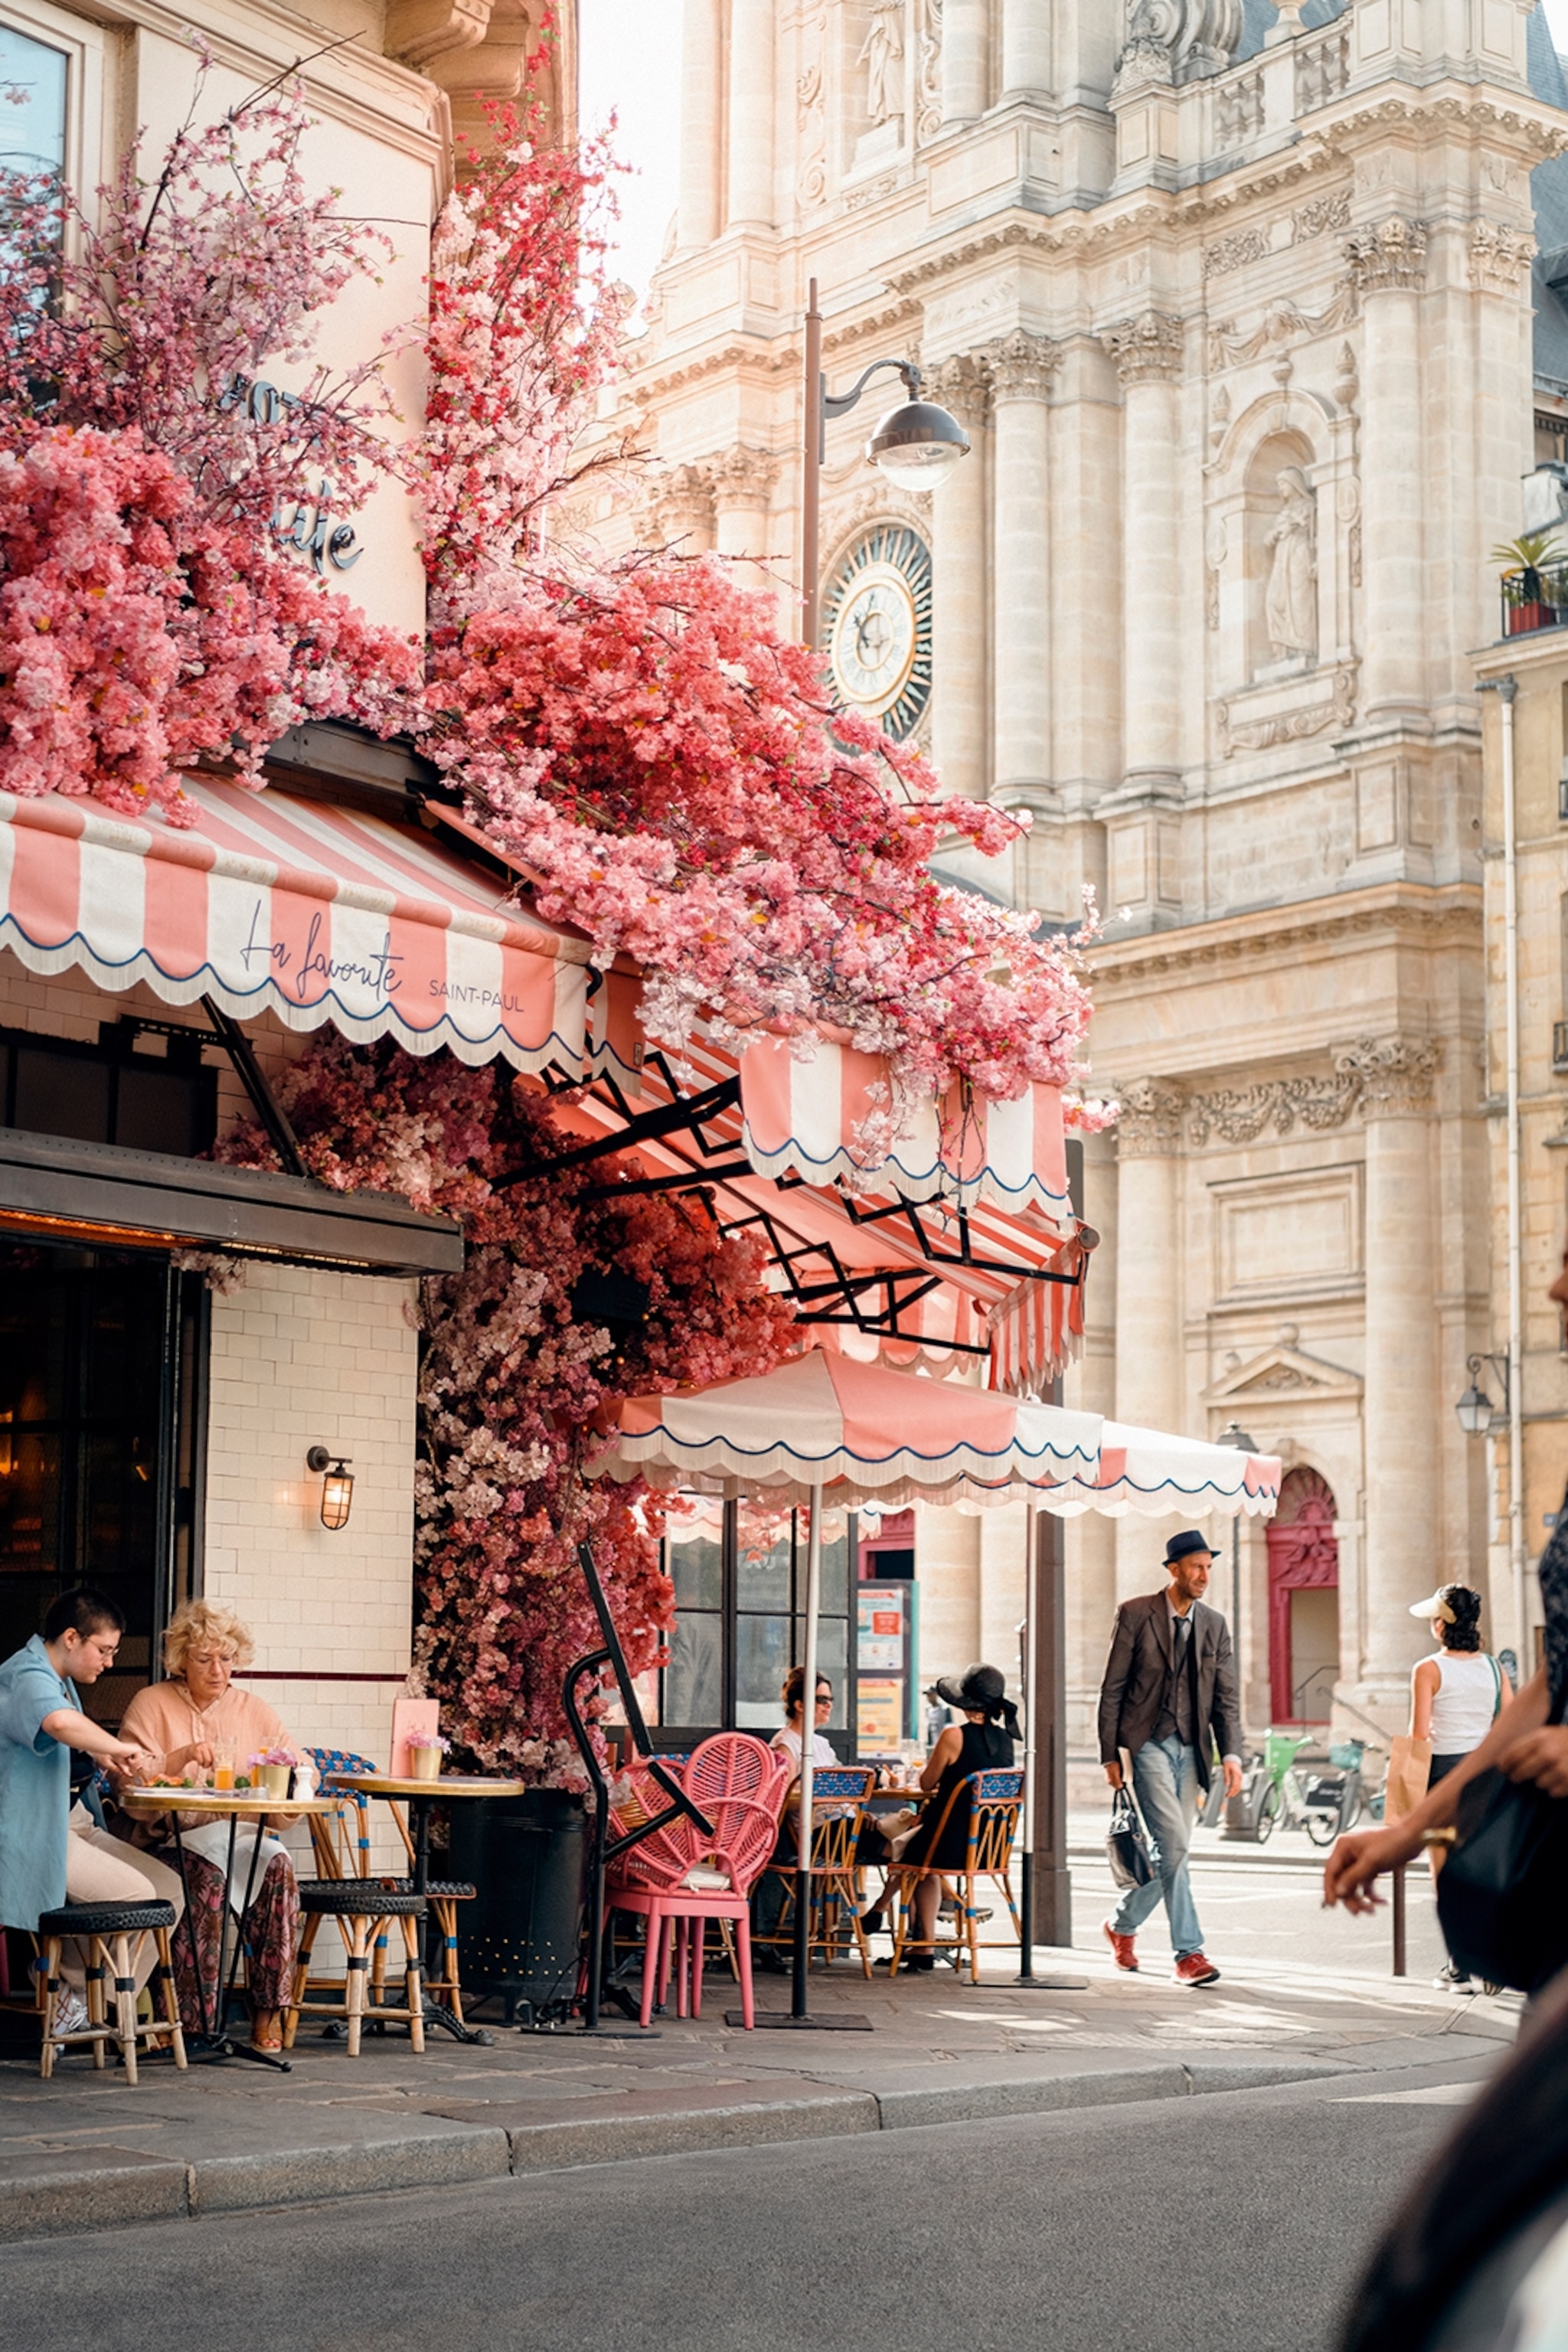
column 1465, row 1701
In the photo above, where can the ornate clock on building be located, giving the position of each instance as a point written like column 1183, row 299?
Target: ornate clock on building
column 879, row 627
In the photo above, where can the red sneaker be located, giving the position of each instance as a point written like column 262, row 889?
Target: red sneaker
column 1126, row 1957
column 1192, row 1969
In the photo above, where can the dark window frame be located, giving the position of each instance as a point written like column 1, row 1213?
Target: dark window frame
column 116, row 1051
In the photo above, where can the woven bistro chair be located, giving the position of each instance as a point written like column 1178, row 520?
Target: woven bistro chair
column 995, row 1802
column 364, row 1908
column 838, row 1793
column 109, row 1936
column 442, row 1895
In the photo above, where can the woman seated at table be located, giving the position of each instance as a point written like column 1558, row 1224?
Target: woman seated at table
column 184, row 1721
column 788, row 1736
column 982, row 1742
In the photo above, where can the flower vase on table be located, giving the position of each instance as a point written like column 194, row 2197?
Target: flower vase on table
column 425, row 1756
column 271, row 1770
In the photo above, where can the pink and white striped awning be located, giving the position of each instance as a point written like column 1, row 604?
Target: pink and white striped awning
column 311, row 911
column 819, row 1118
column 1148, row 1474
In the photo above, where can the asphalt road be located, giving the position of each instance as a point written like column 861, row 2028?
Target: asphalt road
column 1229, row 2223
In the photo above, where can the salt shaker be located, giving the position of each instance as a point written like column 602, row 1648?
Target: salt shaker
column 304, row 1780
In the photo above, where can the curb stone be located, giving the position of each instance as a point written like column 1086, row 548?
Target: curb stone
column 49, row 2194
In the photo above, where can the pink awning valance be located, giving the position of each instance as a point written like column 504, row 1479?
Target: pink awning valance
column 314, row 912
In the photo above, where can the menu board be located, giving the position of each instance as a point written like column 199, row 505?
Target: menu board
column 885, row 1651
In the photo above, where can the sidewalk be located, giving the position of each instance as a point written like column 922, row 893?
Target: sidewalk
column 85, row 2151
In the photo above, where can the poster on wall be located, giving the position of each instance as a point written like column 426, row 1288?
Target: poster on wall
column 884, row 1665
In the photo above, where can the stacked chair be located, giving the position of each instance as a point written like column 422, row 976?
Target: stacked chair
column 677, row 1879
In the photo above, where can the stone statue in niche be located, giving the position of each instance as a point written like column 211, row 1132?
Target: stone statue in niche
column 882, row 54
column 1290, row 604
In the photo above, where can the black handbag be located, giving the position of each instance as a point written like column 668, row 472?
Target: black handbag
column 1133, row 1857
column 1502, row 1891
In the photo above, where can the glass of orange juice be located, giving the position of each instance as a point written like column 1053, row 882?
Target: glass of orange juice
column 222, row 1763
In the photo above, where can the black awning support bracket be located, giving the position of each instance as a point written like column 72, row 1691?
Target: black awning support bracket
column 253, row 1078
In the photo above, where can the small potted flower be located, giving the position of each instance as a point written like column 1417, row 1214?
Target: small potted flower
column 1527, row 584
column 425, row 1750
column 271, row 1771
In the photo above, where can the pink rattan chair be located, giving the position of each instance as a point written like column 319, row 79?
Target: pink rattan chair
column 740, row 1785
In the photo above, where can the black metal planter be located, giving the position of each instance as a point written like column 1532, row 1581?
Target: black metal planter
column 527, row 1856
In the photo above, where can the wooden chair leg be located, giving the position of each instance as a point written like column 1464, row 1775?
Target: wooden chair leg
column 356, row 1943
column 376, row 1994
column 97, row 1970
column 309, row 1931
column 125, row 2006
column 413, row 1982
column 452, row 1984
column 165, row 1996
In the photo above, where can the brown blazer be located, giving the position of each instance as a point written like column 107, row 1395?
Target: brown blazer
column 1135, row 1683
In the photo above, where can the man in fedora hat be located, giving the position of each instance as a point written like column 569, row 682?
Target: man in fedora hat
column 1169, row 1693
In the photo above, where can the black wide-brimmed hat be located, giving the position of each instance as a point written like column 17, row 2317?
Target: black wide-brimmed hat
column 980, row 1690
column 1191, row 1539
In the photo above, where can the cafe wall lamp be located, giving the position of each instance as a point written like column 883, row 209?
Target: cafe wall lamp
column 337, row 1485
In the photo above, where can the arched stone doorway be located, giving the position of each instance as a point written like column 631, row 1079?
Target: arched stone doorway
column 1303, row 1601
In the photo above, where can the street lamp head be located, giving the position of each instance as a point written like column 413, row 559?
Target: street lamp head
column 1235, row 1436
column 1474, row 1411
column 918, row 445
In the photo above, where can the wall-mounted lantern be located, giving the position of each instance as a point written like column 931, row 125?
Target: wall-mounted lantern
column 337, row 1485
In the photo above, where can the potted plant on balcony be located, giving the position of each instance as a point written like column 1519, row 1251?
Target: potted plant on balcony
column 1525, row 601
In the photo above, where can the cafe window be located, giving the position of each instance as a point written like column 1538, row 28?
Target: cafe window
column 102, row 1408
column 143, row 1085
column 739, row 1571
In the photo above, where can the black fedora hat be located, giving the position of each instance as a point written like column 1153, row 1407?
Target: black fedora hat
column 1191, row 1539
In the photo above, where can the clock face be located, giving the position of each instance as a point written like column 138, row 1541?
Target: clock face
column 878, row 628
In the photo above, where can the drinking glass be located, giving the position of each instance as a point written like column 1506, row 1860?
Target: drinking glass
column 222, row 1763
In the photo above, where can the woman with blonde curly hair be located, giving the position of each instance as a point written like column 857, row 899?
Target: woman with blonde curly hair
column 182, row 1721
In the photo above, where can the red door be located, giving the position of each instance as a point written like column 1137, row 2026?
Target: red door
column 1303, row 1559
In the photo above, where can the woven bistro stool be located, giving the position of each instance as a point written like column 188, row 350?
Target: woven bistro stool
column 443, row 1896
column 110, row 1936
column 364, row 1909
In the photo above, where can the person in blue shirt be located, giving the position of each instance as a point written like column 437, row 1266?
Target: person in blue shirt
column 53, row 1843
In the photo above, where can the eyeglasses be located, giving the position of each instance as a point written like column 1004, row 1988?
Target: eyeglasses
column 211, row 1659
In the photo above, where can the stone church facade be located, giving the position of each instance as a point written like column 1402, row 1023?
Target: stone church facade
column 1235, row 301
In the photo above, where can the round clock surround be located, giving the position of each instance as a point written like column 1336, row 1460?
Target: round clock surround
column 877, row 627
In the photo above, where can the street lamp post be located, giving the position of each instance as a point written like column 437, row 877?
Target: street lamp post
column 915, row 445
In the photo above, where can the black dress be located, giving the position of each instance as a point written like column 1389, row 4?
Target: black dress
column 985, row 1747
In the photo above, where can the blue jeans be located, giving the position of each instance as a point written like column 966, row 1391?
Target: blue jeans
column 1165, row 1782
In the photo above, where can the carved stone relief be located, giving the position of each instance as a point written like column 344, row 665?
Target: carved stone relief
column 1146, row 350
column 882, row 54
column 1239, row 1115
column 1021, row 366
column 811, row 114
column 1390, row 257
column 1178, row 40
column 1282, row 322
column 928, row 68
column 1395, row 1075
column 1497, row 256
column 1246, row 727
column 1150, row 1123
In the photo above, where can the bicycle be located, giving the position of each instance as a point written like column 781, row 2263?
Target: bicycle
column 1324, row 1804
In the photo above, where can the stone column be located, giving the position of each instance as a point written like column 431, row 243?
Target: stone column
column 1025, row 47
column 1148, row 1291
column 963, row 60
column 750, row 146
column 1021, row 367
column 742, row 481
column 1400, row 1558
column 699, row 218
column 1388, row 268
column 677, row 509
column 960, row 735
column 1148, row 355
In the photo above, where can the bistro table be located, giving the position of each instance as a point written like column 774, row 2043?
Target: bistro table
column 419, row 1796
column 213, row 2044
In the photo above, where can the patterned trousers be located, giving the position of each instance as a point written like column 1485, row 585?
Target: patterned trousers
column 271, row 1937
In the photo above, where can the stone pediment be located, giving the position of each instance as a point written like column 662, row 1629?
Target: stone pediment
column 1281, row 1371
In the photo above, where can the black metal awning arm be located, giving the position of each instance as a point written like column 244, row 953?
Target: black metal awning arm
column 253, row 1078
column 689, row 1111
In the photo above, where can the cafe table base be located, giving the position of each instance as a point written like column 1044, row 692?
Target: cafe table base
column 419, row 1795
column 212, row 2042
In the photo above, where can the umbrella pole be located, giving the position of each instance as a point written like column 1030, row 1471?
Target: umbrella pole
column 1031, row 1678
column 807, row 1739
